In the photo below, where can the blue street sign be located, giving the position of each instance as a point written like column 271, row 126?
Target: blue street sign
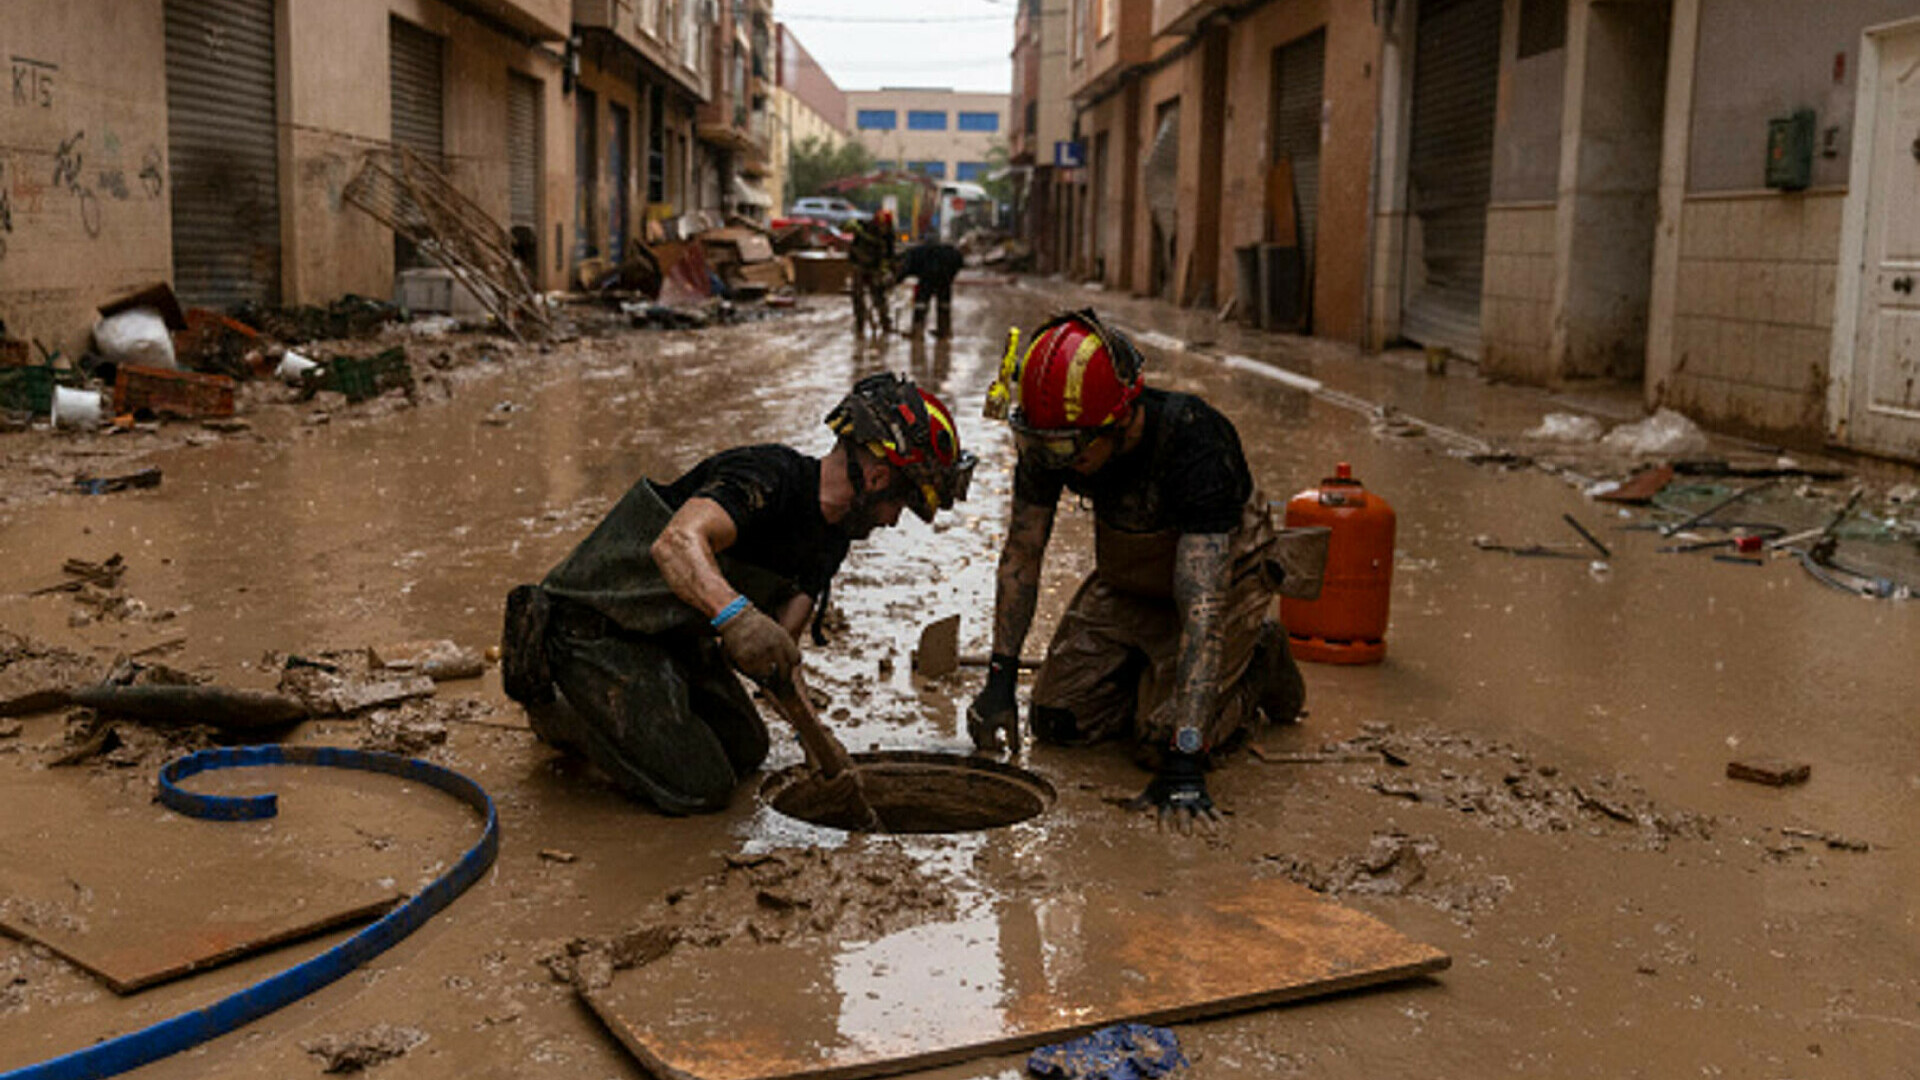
column 1069, row 154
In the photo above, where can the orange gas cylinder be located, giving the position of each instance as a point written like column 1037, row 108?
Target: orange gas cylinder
column 1348, row 623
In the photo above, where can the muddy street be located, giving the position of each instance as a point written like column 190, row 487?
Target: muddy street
column 1534, row 781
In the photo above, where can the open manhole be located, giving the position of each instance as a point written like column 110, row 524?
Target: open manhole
column 916, row 792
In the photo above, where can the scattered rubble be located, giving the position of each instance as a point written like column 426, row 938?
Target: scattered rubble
column 768, row 897
column 354, row 1051
column 1769, row 771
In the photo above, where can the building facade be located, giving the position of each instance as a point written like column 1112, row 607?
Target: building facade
column 208, row 142
column 945, row 134
column 1042, row 119
column 807, row 104
column 1702, row 196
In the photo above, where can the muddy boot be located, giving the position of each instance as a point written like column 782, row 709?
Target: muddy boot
column 943, row 320
column 919, row 326
column 1284, row 694
column 859, row 311
column 523, row 647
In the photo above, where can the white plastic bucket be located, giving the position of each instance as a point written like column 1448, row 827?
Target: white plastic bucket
column 79, row 409
column 292, row 366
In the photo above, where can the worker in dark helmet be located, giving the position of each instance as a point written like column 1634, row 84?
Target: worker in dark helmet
column 871, row 253
column 626, row 653
column 932, row 265
column 1171, row 641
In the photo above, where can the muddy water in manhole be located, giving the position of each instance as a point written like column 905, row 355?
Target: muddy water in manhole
column 914, row 792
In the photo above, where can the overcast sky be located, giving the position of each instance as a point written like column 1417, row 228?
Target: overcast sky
column 868, row 44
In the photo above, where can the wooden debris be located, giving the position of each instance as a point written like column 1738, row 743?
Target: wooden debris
column 939, row 651
column 1837, row 843
column 557, row 855
column 403, row 192
column 1770, row 771
column 1273, row 758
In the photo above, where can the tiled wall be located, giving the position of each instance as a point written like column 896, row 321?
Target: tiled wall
column 1753, row 312
column 1389, row 248
column 1516, row 300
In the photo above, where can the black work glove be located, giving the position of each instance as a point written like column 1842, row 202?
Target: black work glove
column 995, row 714
column 1178, row 794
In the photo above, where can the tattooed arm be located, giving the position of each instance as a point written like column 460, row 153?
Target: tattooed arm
column 1178, row 793
column 1200, row 573
column 1017, row 584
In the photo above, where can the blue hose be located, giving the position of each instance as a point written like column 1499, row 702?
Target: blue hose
column 190, row 1029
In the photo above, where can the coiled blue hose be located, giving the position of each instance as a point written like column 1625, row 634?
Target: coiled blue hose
column 190, row 1029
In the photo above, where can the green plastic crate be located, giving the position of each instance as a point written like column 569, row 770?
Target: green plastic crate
column 27, row 389
column 363, row 377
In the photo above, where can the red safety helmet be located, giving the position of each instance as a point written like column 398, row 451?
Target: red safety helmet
column 1077, row 374
column 914, row 431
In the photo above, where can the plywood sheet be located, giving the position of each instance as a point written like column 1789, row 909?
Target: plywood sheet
column 139, row 897
column 1015, row 975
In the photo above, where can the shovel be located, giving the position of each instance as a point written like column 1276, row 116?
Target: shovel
column 839, row 791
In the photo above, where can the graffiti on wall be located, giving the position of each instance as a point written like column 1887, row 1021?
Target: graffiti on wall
column 32, row 82
column 68, row 161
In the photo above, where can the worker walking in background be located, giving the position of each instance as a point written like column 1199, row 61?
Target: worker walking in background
column 872, row 255
column 1171, row 640
column 932, row 265
column 626, row 652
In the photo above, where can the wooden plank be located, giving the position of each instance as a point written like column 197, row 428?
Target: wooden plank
column 139, row 896
column 1025, row 973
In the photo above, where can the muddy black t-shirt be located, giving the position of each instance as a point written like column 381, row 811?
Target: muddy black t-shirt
column 1187, row 473
column 772, row 493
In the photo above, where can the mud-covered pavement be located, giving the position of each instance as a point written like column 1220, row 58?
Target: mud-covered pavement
column 1533, row 782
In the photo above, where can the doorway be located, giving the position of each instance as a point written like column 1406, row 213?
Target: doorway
column 1874, row 400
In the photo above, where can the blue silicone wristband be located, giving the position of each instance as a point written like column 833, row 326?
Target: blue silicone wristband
column 727, row 613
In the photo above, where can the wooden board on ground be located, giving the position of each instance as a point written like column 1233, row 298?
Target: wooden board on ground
column 145, row 897
column 1024, row 974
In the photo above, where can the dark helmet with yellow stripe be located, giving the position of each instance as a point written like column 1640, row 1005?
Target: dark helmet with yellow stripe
column 914, row 432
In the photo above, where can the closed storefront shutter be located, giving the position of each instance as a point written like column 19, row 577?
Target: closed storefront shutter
column 523, row 151
column 223, row 151
column 1456, row 70
column 1299, row 82
column 418, row 97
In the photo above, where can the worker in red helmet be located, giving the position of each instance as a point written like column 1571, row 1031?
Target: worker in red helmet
column 871, row 253
column 626, row 652
column 1170, row 639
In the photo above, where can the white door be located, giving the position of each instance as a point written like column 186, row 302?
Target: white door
column 1885, row 405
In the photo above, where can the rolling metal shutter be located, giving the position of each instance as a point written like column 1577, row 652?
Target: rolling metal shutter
column 1301, row 82
column 523, row 151
column 1456, row 69
column 223, row 151
column 418, row 97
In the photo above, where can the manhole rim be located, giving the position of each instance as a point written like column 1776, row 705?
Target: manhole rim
column 1028, row 780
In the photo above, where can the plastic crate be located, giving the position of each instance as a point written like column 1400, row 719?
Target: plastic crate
column 157, row 391
column 363, row 377
column 26, row 389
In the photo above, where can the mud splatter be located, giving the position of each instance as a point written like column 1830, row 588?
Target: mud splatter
column 770, row 897
column 359, row 1050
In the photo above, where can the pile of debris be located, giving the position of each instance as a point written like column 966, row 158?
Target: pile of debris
column 151, row 360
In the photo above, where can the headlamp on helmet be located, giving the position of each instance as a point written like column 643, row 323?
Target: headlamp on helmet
column 1076, row 378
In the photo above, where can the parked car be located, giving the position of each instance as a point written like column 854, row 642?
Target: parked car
column 827, row 208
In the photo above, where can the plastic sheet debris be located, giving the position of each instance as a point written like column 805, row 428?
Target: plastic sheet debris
column 1568, row 427
column 138, row 337
column 1120, row 1052
column 106, row 485
column 1664, row 434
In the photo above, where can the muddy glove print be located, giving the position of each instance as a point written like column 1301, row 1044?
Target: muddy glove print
column 1178, row 794
column 761, row 648
column 994, row 715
